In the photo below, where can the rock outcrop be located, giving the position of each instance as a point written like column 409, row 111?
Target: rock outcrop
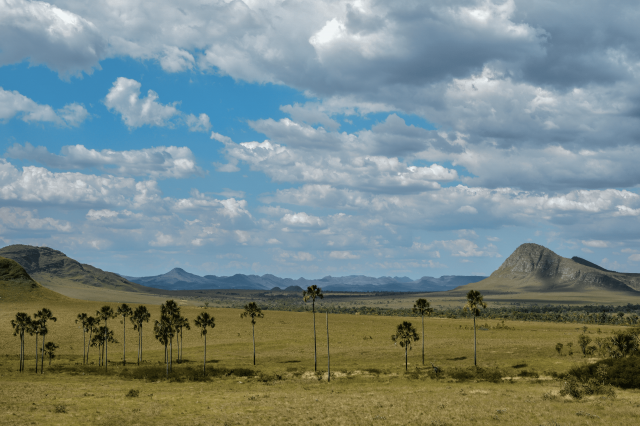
column 535, row 268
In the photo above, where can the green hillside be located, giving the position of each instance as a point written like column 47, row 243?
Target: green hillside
column 17, row 286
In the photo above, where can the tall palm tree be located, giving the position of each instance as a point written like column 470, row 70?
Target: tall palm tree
column 20, row 326
column 204, row 321
column 473, row 305
column 124, row 310
column 164, row 331
column 104, row 314
column 311, row 293
column 82, row 319
column 422, row 308
column 170, row 312
column 405, row 334
column 181, row 324
column 140, row 315
column 42, row 316
column 252, row 311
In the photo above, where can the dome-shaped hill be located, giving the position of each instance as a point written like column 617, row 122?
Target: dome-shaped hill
column 17, row 286
column 535, row 268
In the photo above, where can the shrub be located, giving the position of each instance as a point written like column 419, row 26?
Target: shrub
column 621, row 372
column 133, row 393
column 60, row 409
column 476, row 373
column 527, row 373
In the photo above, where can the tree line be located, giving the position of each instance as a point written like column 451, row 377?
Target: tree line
column 171, row 324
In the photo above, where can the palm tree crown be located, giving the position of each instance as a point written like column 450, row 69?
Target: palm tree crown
column 405, row 334
column 204, row 321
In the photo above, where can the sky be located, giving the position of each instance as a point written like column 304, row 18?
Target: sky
column 312, row 138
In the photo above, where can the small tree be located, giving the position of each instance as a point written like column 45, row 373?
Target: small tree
column 140, row 315
column 125, row 311
column 405, row 334
column 170, row 312
column 422, row 308
column 92, row 326
column 164, row 331
column 181, row 324
column 204, row 321
column 311, row 293
column 583, row 342
column 50, row 349
column 559, row 347
column 474, row 303
column 252, row 311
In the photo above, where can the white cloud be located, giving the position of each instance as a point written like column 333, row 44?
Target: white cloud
column 466, row 248
column 302, row 219
column 343, row 255
column 634, row 258
column 467, row 209
column 596, row 243
column 124, row 99
column 176, row 60
column 14, row 104
column 45, row 34
column 157, row 162
column 22, row 219
column 300, row 256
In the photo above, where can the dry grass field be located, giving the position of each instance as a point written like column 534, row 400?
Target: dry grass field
column 368, row 386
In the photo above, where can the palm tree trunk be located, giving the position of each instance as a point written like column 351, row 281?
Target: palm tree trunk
column 36, row 352
column 253, row 327
column 315, row 348
column 406, row 364
column 423, row 340
column 124, row 340
column 106, row 348
column 204, row 364
column 21, row 351
column 171, row 354
column 42, row 358
column 328, row 353
column 166, row 361
column 84, row 342
column 475, row 362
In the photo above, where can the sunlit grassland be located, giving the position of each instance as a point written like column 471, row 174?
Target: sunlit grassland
column 370, row 386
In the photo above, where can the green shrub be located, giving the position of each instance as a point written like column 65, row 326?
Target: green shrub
column 527, row 373
column 621, row 372
column 133, row 393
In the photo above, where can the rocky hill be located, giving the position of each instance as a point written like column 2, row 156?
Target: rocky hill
column 52, row 268
column 17, row 286
column 535, row 268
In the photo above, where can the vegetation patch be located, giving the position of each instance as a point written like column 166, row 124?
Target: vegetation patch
column 620, row 372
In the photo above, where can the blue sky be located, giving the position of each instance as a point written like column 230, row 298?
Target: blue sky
column 320, row 137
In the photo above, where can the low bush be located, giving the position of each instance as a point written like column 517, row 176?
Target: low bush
column 133, row 393
column 620, row 372
column 527, row 373
column 476, row 373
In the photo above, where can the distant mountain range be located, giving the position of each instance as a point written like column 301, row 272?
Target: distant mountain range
column 179, row 279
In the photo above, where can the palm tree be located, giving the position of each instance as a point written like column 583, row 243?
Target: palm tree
column 82, row 319
column 20, row 326
column 50, row 349
column 164, row 331
column 92, row 325
column 422, row 308
column 102, row 337
column 473, row 305
column 203, row 321
column 170, row 312
column 104, row 314
column 405, row 334
column 181, row 323
column 140, row 315
column 125, row 311
column 42, row 316
column 252, row 311
column 312, row 292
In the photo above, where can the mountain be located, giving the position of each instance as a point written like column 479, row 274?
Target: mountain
column 17, row 286
column 535, row 268
column 53, row 269
column 178, row 279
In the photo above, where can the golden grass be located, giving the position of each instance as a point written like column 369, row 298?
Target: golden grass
column 369, row 387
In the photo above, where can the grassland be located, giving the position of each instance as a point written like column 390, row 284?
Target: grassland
column 368, row 385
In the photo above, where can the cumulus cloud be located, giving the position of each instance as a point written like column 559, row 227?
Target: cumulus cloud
column 14, row 104
column 301, row 219
column 16, row 219
column 124, row 99
column 45, row 34
column 157, row 162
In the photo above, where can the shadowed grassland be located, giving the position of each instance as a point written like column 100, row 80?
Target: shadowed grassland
column 368, row 386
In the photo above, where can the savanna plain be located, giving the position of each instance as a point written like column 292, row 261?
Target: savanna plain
column 368, row 383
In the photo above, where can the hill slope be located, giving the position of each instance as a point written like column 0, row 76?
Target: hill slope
column 54, row 269
column 17, row 286
column 535, row 268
